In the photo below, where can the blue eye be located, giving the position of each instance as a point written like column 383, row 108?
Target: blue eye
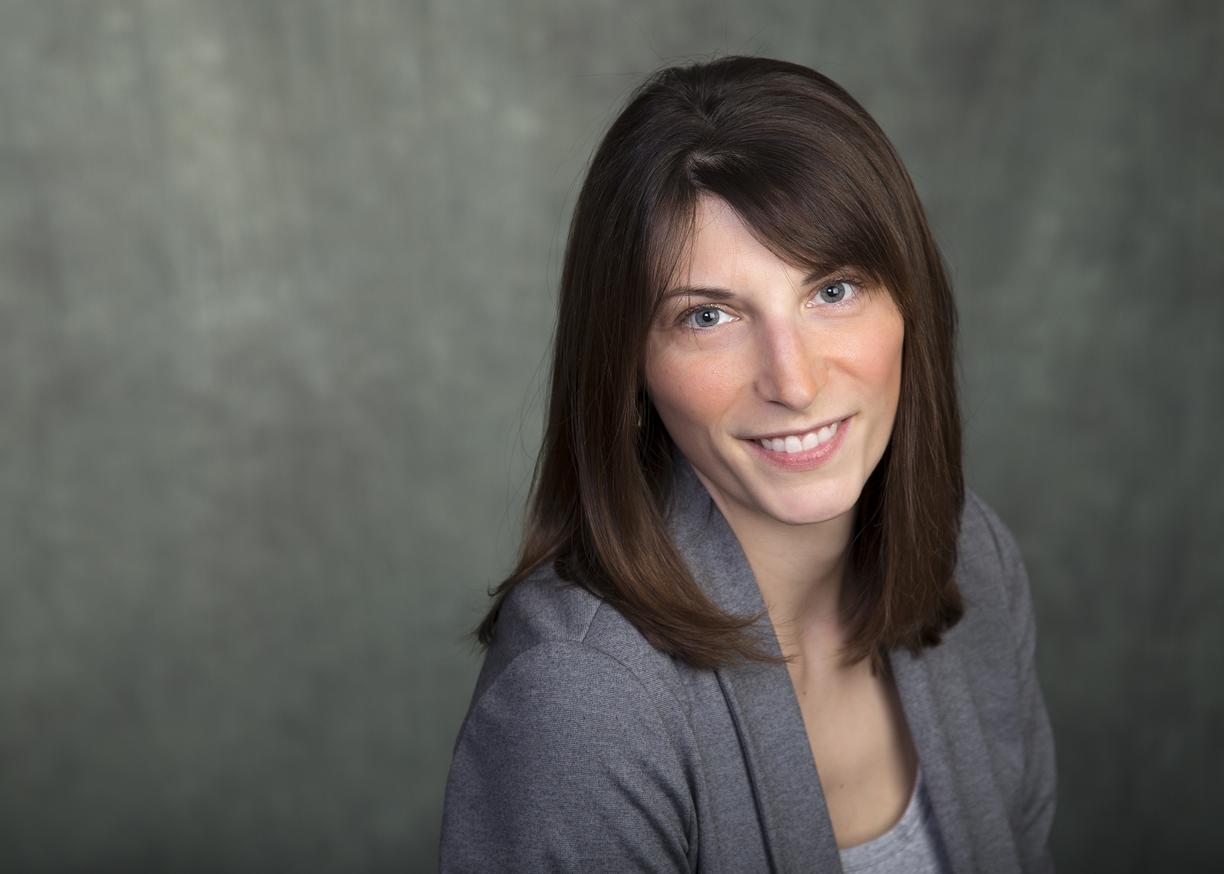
column 848, row 289
column 704, row 317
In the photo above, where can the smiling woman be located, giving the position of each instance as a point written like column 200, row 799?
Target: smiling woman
column 776, row 373
column 757, row 621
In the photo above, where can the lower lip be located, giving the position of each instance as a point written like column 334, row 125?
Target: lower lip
column 809, row 458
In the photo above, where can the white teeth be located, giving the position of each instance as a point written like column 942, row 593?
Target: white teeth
column 802, row 442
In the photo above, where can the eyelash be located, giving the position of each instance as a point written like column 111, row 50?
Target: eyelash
column 854, row 281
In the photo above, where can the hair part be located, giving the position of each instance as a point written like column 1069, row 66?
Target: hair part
column 817, row 182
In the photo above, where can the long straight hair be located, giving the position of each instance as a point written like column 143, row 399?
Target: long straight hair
column 818, row 183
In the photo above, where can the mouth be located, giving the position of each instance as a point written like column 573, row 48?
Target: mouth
column 802, row 450
column 802, row 433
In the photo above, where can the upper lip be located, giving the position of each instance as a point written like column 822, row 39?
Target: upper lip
column 796, row 432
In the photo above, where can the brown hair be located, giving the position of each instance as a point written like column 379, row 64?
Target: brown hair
column 818, row 183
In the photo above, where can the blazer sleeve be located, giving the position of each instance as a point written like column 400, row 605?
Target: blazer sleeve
column 565, row 764
column 1040, row 772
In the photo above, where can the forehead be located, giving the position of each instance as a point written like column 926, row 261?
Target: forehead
column 721, row 248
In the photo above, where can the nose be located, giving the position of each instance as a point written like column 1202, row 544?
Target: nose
column 791, row 373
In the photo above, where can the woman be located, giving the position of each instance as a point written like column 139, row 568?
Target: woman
column 757, row 622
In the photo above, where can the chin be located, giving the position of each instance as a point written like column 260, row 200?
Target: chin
column 809, row 515
column 809, row 509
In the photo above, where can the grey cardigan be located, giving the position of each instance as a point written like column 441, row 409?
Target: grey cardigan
column 586, row 749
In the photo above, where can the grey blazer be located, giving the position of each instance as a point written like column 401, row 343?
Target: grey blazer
column 586, row 749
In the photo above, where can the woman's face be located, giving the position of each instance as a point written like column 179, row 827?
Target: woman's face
column 755, row 350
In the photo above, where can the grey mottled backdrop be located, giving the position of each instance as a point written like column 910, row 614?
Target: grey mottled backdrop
column 276, row 282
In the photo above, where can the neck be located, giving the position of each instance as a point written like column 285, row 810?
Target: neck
column 801, row 571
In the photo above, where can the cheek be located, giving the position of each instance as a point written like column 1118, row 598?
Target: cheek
column 880, row 361
column 688, row 391
column 875, row 342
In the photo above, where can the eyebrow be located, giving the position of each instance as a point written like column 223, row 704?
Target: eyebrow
column 716, row 293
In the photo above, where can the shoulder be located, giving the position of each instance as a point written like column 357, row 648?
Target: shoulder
column 574, row 751
column 559, row 644
column 997, row 640
column 548, row 619
column 990, row 567
column 996, row 634
column 984, row 535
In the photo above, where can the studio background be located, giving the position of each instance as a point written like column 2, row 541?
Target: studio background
column 276, row 285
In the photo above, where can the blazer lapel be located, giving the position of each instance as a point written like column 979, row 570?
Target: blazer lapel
column 955, row 760
column 786, row 785
column 791, row 808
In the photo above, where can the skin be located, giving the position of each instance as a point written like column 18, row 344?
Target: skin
column 781, row 354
